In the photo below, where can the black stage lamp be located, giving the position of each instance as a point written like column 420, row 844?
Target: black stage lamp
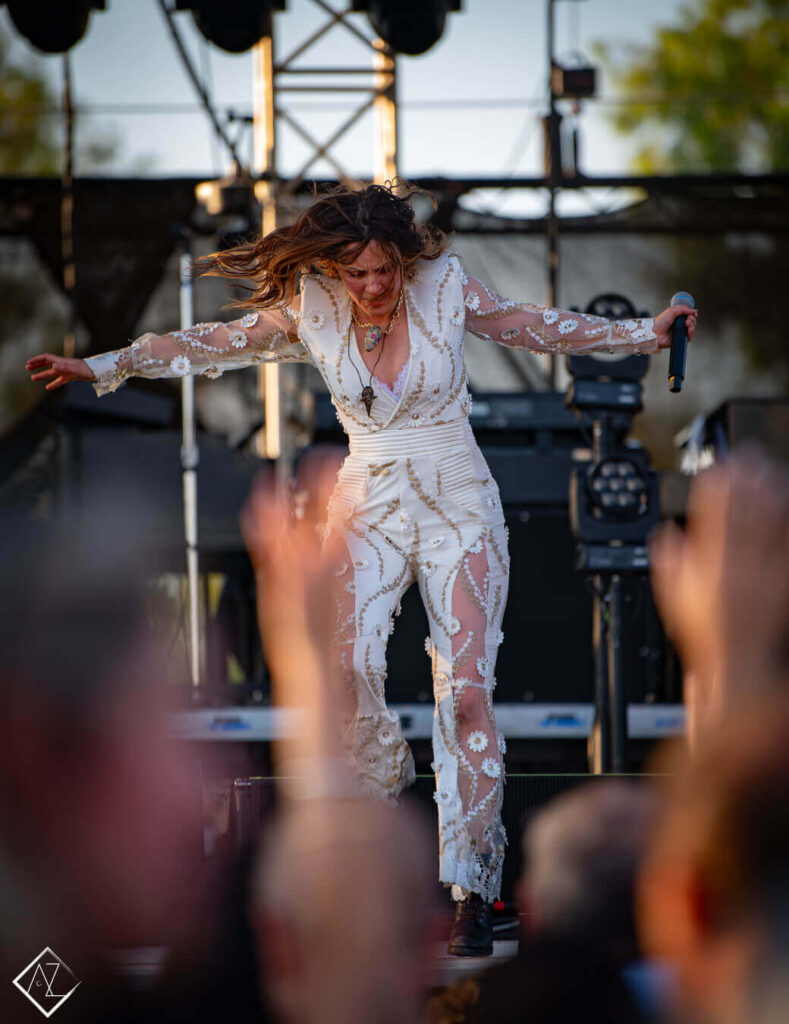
column 617, row 487
column 232, row 25
column 575, row 83
column 408, row 26
column 52, row 26
column 614, row 493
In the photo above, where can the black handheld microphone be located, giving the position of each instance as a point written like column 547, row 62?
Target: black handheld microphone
column 679, row 342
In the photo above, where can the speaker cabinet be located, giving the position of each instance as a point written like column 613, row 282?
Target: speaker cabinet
column 254, row 801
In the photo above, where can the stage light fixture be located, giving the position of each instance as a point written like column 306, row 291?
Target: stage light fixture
column 573, row 83
column 51, row 25
column 232, row 25
column 614, row 490
column 408, row 26
column 617, row 487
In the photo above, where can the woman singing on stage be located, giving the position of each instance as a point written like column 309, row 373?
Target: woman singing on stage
column 376, row 303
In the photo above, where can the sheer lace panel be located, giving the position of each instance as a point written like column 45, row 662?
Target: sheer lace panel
column 479, row 748
column 207, row 348
column 542, row 329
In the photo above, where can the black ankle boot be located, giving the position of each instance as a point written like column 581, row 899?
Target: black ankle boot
column 472, row 932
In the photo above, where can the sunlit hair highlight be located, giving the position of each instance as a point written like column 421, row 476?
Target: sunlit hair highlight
column 335, row 229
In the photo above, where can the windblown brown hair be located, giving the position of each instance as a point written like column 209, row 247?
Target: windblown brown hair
column 335, row 229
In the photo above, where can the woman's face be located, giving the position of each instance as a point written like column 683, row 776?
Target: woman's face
column 373, row 281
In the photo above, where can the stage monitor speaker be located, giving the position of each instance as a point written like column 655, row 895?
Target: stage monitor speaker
column 254, row 800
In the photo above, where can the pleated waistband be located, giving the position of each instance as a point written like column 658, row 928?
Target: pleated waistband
column 401, row 443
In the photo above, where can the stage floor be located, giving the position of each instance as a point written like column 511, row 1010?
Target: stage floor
column 453, row 968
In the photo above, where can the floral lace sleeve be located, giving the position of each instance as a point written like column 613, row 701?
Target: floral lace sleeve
column 210, row 348
column 542, row 329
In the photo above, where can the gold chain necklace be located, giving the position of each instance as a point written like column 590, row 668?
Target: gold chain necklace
column 374, row 334
column 368, row 396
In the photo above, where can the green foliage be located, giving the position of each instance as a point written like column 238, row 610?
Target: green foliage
column 28, row 143
column 31, row 125
column 711, row 94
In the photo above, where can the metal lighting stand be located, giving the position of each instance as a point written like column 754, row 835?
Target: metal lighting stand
column 190, row 456
column 606, row 565
column 613, row 506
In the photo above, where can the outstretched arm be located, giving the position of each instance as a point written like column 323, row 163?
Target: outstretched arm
column 542, row 329
column 208, row 348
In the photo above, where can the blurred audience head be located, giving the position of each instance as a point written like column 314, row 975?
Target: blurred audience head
column 714, row 890
column 97, row 812
column 345, row 912
column 581, row 854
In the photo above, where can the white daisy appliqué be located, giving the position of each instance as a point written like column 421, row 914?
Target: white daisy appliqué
column 491, row 768
column 180, row 366
column 428, row 647
column 453, row 626
column 550, row 316
column 567, row 326
column 510, row 333
column 442, row 797
column 502, row 744
column 386, row 735
column 477, row 742
column 316, row 320
column 457, row 317
column 472, row 301
column 238, row 339
column 249, row 320
column 482, row 667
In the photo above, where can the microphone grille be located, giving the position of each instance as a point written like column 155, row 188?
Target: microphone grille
column 683, row 299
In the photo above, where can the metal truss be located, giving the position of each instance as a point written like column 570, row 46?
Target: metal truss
column 275, row 80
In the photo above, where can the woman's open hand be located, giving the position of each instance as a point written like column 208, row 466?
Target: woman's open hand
column 664, row 321
column 61, row 369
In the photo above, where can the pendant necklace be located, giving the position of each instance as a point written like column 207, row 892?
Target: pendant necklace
column 367, row 396
column 373, row 333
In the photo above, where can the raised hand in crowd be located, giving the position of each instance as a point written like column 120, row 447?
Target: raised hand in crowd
column 344, row 898
column 722, row 586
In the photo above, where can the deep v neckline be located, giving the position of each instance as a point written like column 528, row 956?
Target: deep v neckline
column 403, row 365
column 405, row 368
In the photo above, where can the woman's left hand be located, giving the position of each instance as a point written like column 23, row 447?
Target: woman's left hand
column 664, row 321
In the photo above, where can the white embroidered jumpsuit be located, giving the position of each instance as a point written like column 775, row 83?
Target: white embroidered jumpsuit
column 415, row 502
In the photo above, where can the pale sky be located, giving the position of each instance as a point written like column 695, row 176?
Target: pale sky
column 492, row 52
